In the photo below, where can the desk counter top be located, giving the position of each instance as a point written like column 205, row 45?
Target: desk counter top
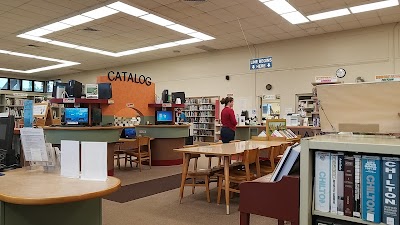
column 163, row 126
column 25, row 187
column 231, row 148
column 82, row 128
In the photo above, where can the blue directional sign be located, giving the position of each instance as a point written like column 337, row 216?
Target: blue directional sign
column 261, row 63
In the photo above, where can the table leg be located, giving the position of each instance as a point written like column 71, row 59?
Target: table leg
column 185, row 168
column 227, row 184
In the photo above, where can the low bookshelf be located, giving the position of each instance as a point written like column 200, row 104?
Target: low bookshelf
column 384, row 146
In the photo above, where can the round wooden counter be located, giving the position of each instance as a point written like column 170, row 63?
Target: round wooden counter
column 166, row 139
column 38, row 198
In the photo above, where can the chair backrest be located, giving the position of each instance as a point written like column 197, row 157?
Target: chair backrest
column 252, row 156
column 142, row 141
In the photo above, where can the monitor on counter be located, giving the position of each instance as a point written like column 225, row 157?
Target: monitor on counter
column 180, row 95
column 7, row 154
column 164, row 117
column 76, row 116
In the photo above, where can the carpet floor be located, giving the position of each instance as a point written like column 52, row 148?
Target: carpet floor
column 135, row 204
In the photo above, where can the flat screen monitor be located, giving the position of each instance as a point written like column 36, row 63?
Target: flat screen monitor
column 7, row 154
column 76, row 116
column 128, row 133
column 180, row 95
column 164, row 116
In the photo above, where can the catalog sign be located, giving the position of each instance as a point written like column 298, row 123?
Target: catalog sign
column 261, row 63
column 385, row 78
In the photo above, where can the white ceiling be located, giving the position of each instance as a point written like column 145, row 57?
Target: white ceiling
column 218, row 18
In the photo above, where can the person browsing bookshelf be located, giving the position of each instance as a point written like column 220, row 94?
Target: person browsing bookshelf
column 182, row 117
column 228, row 120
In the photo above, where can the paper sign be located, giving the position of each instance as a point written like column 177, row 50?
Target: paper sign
column 385, row 78
column 69, row 100
column 70, row 159
column 39, row 110
column 325, row 79
column 33, row 144
column 94, row 161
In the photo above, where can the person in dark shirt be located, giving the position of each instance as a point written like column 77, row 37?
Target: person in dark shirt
column 228, row 121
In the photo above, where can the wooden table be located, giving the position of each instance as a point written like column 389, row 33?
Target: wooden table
column 38, row 198
column 225, row 151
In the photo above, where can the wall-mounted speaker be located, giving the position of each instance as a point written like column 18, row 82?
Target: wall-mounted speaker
column 227, row 77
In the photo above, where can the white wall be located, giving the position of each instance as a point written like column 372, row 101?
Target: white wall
column 363, row 52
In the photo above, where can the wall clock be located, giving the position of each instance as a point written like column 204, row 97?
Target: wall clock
column 340, row 73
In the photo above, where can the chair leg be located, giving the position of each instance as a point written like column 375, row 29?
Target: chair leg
column 193, row 183
column 118, row 161
column 209, row 162
column 126, row 159
column 244, row 218
column 219, row 190
column 281, row 222
column 140, row 162
column 194, row 179
column 219, row 161
column 207, row 183
column 130, row 161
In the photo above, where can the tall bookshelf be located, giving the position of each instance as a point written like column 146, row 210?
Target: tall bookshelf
column 201, row 111
column 360, row 144
column 305, row 106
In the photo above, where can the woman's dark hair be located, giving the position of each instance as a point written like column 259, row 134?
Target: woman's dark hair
column 226, row 100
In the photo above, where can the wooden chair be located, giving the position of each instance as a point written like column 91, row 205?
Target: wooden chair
column 268, row 166
column 139, row 152
column 213, row 156
column 117, row 154
column 238, row 176
column 204, row 174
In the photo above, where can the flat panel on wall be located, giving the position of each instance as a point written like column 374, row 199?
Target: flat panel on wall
column 365, row 107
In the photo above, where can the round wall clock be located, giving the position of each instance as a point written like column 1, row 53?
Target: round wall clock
column 340, row 73
column 268, row 87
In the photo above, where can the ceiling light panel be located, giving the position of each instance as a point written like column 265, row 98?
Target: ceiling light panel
column 330, row 14
column 100, row 12
column 295, row 18
column 374, row 6
column 280, row 6
column 111, row 9
column 62, row 63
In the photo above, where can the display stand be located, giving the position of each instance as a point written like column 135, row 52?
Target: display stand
column 43, row 115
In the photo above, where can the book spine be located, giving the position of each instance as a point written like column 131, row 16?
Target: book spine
column 348, row 185
column 340, row 183
column 390, row 190
column 322, row 181
column 371, row 188
column 357, row 186
column 334, row 168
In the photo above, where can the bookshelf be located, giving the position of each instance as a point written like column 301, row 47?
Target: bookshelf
column 305, row 106
column 360, row 144
column 201, row 111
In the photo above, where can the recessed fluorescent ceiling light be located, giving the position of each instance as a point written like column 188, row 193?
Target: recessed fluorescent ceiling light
column 122, row 7
column 63, row 63
column 280, row 6
column 100, row 13
column 330, row 14
column 33, row 38
column 374, row 6
column 295, row 18
column 201, row 36
column 109, row 10
column 38, row 32
column 156, row 19
column 76, row 20
column 181, row 29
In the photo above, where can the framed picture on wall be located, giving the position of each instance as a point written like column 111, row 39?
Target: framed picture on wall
column 275, row 124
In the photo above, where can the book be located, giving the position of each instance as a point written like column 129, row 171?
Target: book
column 357, row 186
column 323, row 222
column 371, row 188
column 322, row 181
column 334, row 187
column 348, row 185
column 390, row 190
column 340, row 184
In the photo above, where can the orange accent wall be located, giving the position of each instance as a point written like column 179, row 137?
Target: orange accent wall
column 124, row 92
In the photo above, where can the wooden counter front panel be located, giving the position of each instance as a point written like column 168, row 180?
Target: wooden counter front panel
column 162, row 153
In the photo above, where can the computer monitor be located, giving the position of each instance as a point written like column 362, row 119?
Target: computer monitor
column 128, row 133
column 76, row 116
column 163, row 117
column 180, row 95
column 7, row 154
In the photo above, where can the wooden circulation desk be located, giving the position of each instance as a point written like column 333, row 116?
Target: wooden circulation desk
column 38, row 198
column 110, row 135
column 166, row 138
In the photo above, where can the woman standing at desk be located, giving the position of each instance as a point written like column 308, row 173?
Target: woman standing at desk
column 228, row 121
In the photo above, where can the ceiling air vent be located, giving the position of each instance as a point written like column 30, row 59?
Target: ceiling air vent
column 33, row 46
column 89, row 29
column 206, row 48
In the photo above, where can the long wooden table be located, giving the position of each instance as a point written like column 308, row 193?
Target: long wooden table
column 225, row 151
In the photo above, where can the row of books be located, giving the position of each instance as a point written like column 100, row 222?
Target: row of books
column 284, row 133
column 362, row 186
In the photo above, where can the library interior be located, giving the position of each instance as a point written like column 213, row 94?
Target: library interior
column 177, row 112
